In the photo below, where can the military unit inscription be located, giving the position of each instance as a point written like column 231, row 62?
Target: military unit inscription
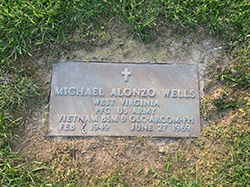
column 110, row 99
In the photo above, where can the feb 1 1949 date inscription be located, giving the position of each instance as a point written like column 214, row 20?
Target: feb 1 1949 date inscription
column 111, row 99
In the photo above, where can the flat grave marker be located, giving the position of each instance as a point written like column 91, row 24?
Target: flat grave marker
column 112, row 99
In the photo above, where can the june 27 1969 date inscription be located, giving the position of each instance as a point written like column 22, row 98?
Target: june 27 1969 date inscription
column 93, row 99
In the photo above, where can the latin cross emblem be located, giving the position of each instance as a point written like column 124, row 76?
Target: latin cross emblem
column 126, row 73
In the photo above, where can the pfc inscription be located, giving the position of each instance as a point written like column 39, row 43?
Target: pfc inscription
column 101, row 99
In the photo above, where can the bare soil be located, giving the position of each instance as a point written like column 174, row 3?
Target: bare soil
column 92, row 158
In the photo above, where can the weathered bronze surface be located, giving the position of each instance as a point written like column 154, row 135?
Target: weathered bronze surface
column 111, row 99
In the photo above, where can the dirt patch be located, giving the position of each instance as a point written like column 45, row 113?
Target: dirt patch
column 100, row 156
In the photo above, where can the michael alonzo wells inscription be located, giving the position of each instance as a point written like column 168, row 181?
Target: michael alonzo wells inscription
column 124, row 100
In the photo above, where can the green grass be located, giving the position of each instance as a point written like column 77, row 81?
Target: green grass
column 30, row 26
column 26, row 25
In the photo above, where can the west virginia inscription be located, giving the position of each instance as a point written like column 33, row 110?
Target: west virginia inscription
column 111, row 99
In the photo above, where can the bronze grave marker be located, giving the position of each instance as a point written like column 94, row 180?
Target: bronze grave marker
column 111, row 99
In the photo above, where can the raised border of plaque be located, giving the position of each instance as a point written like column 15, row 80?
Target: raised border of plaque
column 124, row 99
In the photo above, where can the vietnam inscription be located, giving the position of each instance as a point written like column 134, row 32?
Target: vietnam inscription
column 93, row 99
